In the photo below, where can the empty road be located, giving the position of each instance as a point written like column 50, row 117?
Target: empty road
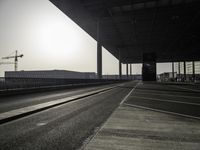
column 62, row 127
column 71, row 125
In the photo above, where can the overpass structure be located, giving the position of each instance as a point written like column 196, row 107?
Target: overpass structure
column 51, row 111
column 140, row 31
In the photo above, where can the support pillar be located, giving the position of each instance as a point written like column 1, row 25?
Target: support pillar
column 127, row 71
column 193, row 71
column 99, row 53
column 149, row 67
column 99, row 61
column 130, row 71
column 120, row 66
column 173, row 71
column 120, row 70
column 184, row 68
column 179, row 71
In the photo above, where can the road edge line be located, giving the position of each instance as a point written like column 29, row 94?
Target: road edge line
column 126, row 97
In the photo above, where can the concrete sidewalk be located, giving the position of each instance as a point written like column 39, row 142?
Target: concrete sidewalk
column 131, row 128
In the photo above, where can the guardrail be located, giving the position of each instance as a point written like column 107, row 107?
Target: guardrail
column 19, row 83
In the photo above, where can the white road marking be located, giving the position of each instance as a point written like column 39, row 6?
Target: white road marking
column 157, row 91
column 194, row 90
column 126, row 97
column 41, row 124
column 162, row 111
column 172, row 95
column 171, row 101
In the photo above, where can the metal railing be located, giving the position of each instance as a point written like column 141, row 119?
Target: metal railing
column 16, row 83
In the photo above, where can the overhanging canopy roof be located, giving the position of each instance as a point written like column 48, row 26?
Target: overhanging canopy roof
column 170, row 28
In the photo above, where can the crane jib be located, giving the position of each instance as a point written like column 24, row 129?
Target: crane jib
column 15, row 59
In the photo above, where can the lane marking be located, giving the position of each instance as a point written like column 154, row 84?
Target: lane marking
column 41, row 124
column 162, row 100
column 126, row 97
column 162, row 111
column 157, row 91
column 98, row 129
column 96, row 132
column 194, row 90
column 172, row 95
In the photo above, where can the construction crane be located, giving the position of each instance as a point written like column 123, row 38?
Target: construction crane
column 15, row 59
column 6, row 63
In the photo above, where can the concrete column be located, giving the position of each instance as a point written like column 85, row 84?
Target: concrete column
column 127, row 71
column 173, row 70
column 131, row 71
column 120, row 70
column 149, row 67
column 184, row 69
column 99, row 61
column 99, row 53
column 179, row 70
column 193, row 71
column 120, row 66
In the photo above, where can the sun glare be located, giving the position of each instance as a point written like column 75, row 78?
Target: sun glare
column 57, row 38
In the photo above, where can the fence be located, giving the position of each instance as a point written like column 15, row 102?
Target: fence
column 16, row 83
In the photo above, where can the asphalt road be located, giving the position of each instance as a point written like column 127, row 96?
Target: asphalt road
column 69, row 126
column 64, row 127
column 20, row 101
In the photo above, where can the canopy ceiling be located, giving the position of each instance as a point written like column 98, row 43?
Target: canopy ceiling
column 170, row 28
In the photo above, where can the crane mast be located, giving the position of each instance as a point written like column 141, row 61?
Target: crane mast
column 16, row 60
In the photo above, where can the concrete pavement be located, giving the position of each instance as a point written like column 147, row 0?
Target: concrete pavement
column 131, row 128
column 153, row 117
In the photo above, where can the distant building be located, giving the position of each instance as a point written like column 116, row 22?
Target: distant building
column 64, row 74
column 58, row 74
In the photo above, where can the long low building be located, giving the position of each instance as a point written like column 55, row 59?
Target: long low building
column 58, row 74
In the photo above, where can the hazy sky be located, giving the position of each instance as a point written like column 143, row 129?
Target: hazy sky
column 49, row 40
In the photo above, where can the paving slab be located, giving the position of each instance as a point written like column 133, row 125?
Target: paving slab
column 131, row 128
